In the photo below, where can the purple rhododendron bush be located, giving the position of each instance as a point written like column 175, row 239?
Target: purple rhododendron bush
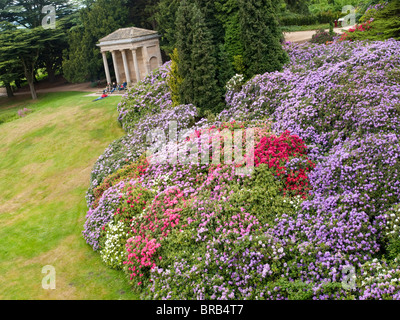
column 317, row 217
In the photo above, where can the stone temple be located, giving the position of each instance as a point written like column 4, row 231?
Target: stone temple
column 135, row 53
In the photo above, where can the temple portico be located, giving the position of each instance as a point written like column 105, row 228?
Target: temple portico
column 135, row 53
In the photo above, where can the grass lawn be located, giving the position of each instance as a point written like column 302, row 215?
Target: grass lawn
column 305, row 28
column 45, row 164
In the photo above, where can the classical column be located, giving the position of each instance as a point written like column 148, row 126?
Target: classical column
column 136, row 64
column 106, row 67
column 126, row 67
column 159, row 57
column 116, row 67
column 146, row 60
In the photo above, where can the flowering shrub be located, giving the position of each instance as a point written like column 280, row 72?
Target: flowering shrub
column 360, row 170
column 380, row 281
column 276, row 152
column 321, row 37
column 131, row 171
column 149, row 96
column 112, row 244
column 371, row 11
column 358, row 28
column 391, row 232
column 234, row 84
column 324, row 192
column 98, row 217
column 148, row 230
column 326, row 93
column 129, row 148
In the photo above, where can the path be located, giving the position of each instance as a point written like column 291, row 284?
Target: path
column 303, row 36
column 59, row 86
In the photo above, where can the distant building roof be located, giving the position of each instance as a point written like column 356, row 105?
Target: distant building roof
column 132, row 34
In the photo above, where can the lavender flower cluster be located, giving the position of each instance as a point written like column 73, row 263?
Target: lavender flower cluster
column 97, row 218
column 150, row 96
column 128, row 148
column 327, row 93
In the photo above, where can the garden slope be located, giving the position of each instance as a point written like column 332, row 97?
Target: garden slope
column 323, row 197
column 45, row 162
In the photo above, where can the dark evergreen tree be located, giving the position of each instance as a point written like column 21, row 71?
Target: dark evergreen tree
column 166, row 17
column 225, row 69
column 25, row 46
column 260, row 37
column 83, row 61
column 233, row 41
column 184, row 43
column 214, row 25
column 197, row 64
column 206, row 94
column 142, row 13
column 28, row 13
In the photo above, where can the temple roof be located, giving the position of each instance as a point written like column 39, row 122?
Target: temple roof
column 128, row 34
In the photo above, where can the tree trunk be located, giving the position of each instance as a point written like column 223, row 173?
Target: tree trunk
column 33, row 91
column 10, row 93
column 51, row 74
column 29, row 75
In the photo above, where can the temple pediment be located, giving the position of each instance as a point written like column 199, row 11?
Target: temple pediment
column 135, row 53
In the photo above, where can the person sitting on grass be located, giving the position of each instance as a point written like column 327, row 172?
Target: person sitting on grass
column 104, row 95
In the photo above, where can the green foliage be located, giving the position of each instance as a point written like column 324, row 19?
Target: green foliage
column 28, row 14
column 206, row 94
column 260, row 195
column 225, row 69
column 184, row 41
column 83, row 61
column 238, row 64
column 320, row 6
column 294, row 19
column 197, row 62
column 51, row 57
column 233, row 43
column 166, row 17
column 386, row 23
column 142, row 13
column 209, row 12
column 174, row 79
column 260, row 37
column 299, row 6
column 25, row 46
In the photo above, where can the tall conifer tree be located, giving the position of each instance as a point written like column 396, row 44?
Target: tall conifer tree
column 197, row 62
column 260, row 37
column 206, row 93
